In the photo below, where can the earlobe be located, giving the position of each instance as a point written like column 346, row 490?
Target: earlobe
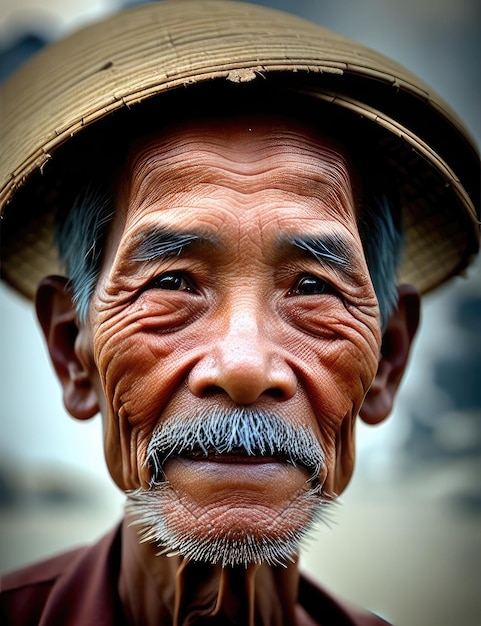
column 396, row 345
column 58, row 320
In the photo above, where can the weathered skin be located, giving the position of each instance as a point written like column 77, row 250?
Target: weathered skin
column 237, row 330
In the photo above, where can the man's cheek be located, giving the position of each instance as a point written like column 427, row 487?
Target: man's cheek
column 340, row 458
column 130, row 376
column 343, row 373
column 139, row 372
column 339, row 380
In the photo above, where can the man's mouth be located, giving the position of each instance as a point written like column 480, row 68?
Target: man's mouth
column 241, row 436
column 245, row 460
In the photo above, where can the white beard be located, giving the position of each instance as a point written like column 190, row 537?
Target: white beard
column 161, row 517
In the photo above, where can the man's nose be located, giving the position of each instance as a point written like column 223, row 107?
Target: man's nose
column 243, row 363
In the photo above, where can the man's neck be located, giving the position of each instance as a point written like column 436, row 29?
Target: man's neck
column 169, row 590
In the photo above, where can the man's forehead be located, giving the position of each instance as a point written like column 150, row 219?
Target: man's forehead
column 179, row 165
column 270, row 189
column 214, row 148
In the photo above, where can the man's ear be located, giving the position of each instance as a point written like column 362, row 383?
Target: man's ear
column 58, row 319
column 396, row 344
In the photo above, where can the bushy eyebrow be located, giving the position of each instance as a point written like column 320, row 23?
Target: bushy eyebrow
column 331, row 250
column 162, row 242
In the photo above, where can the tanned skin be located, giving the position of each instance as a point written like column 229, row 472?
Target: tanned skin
column 242, row 317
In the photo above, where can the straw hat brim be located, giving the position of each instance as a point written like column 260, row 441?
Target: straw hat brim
column 138, row 54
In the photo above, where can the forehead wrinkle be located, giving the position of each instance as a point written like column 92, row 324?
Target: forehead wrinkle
column 191, row 182
column 282, row 153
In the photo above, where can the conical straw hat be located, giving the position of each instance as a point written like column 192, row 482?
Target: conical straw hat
column 135, row 55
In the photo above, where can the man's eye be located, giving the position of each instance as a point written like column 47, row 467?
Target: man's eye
column 173, row 281
column 310, row 286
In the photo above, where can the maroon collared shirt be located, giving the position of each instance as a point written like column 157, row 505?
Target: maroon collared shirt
column 79, row 588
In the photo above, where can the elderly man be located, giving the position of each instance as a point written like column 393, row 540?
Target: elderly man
column 245, row 209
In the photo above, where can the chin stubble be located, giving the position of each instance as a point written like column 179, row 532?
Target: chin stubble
column 160, row 512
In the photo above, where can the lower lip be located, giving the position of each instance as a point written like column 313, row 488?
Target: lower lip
column 235, row 474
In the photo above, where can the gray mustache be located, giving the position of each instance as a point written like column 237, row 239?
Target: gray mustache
column 244, row 430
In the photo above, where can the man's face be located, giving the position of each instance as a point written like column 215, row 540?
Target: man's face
column 234, row 278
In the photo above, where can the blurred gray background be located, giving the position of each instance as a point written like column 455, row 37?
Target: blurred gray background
column 406, row 540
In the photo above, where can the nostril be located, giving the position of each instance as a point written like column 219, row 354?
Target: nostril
column 244, row 376
column 212, row 390
column 274, row 392
column 215, row 390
